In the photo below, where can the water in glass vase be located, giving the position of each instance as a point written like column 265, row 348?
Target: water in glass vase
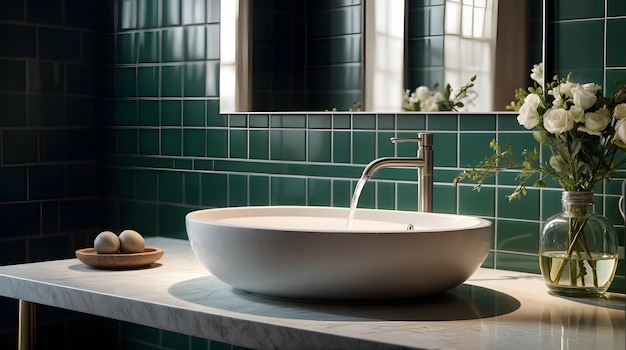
column 574, row 275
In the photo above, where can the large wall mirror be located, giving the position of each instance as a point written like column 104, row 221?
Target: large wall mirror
column 311, row 55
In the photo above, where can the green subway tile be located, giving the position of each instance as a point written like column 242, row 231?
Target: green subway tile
column 474, row 202
column 386, row 193
column 139, row 216
column 45, row 110
column 182, row 163
column 127, row 141
column 385, row 147
column 581, row 9
column 171, row 81
column 409, row 149
column 288, row 191
column 217, row 143
column 508, row 122
column 195, row 80
column 341, row 121
column 122, row 183
column 212, row 37
column 444, row 175
column 341, row 147
column 126, row 48
column 260, row 195
column 19, row 146
column 146, row 182
column 411, row 121
column 202, row 164
column 616, row 8
column 586, row 67
column 170, row 12
column 445, row 149
column 171, row 186
column 550, row 203
column 342, row 191
column 148, row 112
column 518, row 141
column 363, row 147
column 171, row 142
column 171, row 221
column 13, row 75
column 259, row 144
column 478, row 122
column 319, row 121
column 489, row 262
column 125, row 81
column 517, row 262
column 444, row 199
column 171, row 114
column 148, row 81
column 318, row 192
column 364, row 121
column 148, row 47
column 172, row 45
column 193, row 113
column 237, row 190
column 195, row 43
column 474, row 148
column 407, row 196
column 193, row 11
column 14, row 109
column 214, row 190
column 174, row 340
column 194, row 142
column 259, row 121
column 212, row 78
column 192, row 188
column 148, row 14
column 443, row 122
column 148, row 141
column 615, row 50
column 12, row 10
column 288, row 145
column 527, row 208
column 319, row 146
column 367, row 199
column 288, row 121
column 238, row 120
column 238, row 143
column 386, row 121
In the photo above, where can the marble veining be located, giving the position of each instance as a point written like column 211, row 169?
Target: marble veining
column 493, row 309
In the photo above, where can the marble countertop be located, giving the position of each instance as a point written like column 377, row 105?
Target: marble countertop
column 494, row 309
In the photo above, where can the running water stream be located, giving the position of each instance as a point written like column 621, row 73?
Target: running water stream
column 355, row 200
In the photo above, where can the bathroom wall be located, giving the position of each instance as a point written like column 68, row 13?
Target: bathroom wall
column 156, row 147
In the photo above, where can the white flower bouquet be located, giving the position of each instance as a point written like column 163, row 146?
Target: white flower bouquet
column 427, row 100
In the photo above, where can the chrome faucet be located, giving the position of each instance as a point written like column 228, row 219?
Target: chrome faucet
column 423, row 162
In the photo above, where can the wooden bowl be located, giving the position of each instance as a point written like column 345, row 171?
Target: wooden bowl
column 117, row 261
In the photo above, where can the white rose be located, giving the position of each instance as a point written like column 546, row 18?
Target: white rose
column 583, row 98
column 620, row 133
column 537, row 73
column 591, row 87
column 577, row 113
column 422, row 93
column 557, row 121
column 566, row 88
column 596, row 121
column 528, row 117
column 620, row 111
column 533, row 101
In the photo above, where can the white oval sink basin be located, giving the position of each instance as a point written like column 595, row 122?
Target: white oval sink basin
column 308, row 253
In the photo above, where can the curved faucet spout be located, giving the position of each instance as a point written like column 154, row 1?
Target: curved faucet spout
column 389, row 162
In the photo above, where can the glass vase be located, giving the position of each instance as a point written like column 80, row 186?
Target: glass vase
column 578, row 248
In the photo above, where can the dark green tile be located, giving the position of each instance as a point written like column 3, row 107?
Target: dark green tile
column 237, row 190
column 193, row 113
column 342, row 190
column 564, row 9
column 126, row 48
column 12, row 10
column 174, row 340
column 212, row 78
column 341, row 121
column 473, row 202
column 585, row 68
column 19, row 146
column 385, row 147
column 148, row 81
column 363, row 147
column 518, row 236
column 288, row 121
column 172, row 45
column 526, row 209
column 615, row 50
column 411, row 121
column 443, row 122
column 171, row 142
column 148, row 47
column 217, row 143
column 259, row 144
column 195, row 80
column 318, row 192
column 445, row 149
column 517, row 262
column 508, row 122
column 319, row 146
column 14, row 109
column 367, row 198
column 171, row 114
column 288, row 191
column 212, row 37
column 474, row 148
column 126, row 81
column 127, row 141
column 148, row 14
column 288, row 145
column 616, row 8
column 193, row 11
column 192, row 188
column 194, row 142
column 550, row 203
column 259, row 121
column 341, row 147
column 171, row 81
column 238, row 143
column 386, row 195
column 139, row 216
column 407, row 196
column 170, row 12
column 148, row 141
column 478, row 122
column 146, row 182
column 214, row 190
column 13, row 75
column 195, row 43
column 171, row 221
column 260, row 195
column 444, row 199
column 148, row 112
column 364, row 121
column 320, row 121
